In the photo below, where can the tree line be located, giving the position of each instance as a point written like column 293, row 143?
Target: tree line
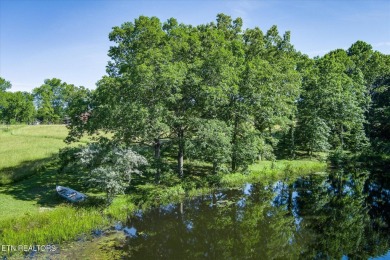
column 50, row 103
column 226, row 95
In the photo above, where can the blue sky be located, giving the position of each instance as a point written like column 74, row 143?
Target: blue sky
column 68, row 39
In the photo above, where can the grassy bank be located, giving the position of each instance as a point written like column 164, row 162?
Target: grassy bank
column 25, row 149
column 273, row 170
column 37, row 215
column 34, row 214
column 51, row 226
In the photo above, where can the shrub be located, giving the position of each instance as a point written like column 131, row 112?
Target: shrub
column 110, row 167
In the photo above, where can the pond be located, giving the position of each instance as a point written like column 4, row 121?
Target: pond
column 320, row 216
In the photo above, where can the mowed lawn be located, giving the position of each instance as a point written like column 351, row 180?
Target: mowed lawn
column 23, row 148
column 20, row 144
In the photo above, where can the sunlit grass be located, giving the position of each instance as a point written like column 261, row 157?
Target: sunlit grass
column 23, row 148
column 12, row 207
column 120, row 208
column 276, row 169
column 62, row 223
column 297, row 165
column 24, row 143
column 16, row 148
column 51, row 226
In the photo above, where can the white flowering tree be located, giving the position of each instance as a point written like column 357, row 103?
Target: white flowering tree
column 110, row 168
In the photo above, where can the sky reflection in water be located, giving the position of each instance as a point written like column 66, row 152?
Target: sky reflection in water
column 334, row 216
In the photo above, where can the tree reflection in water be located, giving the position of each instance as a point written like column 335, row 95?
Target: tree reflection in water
column 315, row 217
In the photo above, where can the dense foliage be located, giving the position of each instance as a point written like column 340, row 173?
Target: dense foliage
column 220, row 94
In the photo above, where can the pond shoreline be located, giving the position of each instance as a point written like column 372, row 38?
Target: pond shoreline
column 289, row 216
column 123, row 207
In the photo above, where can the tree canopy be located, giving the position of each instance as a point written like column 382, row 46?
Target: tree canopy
column 168, row 80
column 219, row 93
column 217, row 86
column 54, row 100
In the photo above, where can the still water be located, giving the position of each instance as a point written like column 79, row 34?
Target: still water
column 320, row 216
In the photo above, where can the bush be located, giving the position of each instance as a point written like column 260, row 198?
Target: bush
column 109, row 167
column 155, row 195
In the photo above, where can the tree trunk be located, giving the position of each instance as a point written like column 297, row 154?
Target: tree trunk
column 180, row 154
column 157, row 148
column 215, row 165
column 292, row 142
column 181, row 208
column 157, row 157
column 180, row 163
column 234, row 145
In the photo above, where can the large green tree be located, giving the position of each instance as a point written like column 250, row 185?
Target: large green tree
column 54, row 99
column 4, row 84
column 157, row 86
column 155, row 71
column 271, row 84
column 335, row 100
column 163, row 79
column 17, row 107
column 375, row 67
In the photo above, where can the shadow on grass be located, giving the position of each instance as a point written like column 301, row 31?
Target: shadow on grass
column 23, row 171
column 39, row 184
column 37, row 181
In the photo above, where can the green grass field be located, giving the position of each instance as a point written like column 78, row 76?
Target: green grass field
column 24, row 148
column 23, row 151
column 30, row 208
column 20, row 144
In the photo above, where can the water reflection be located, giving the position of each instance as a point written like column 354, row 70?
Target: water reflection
column 331, row 216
